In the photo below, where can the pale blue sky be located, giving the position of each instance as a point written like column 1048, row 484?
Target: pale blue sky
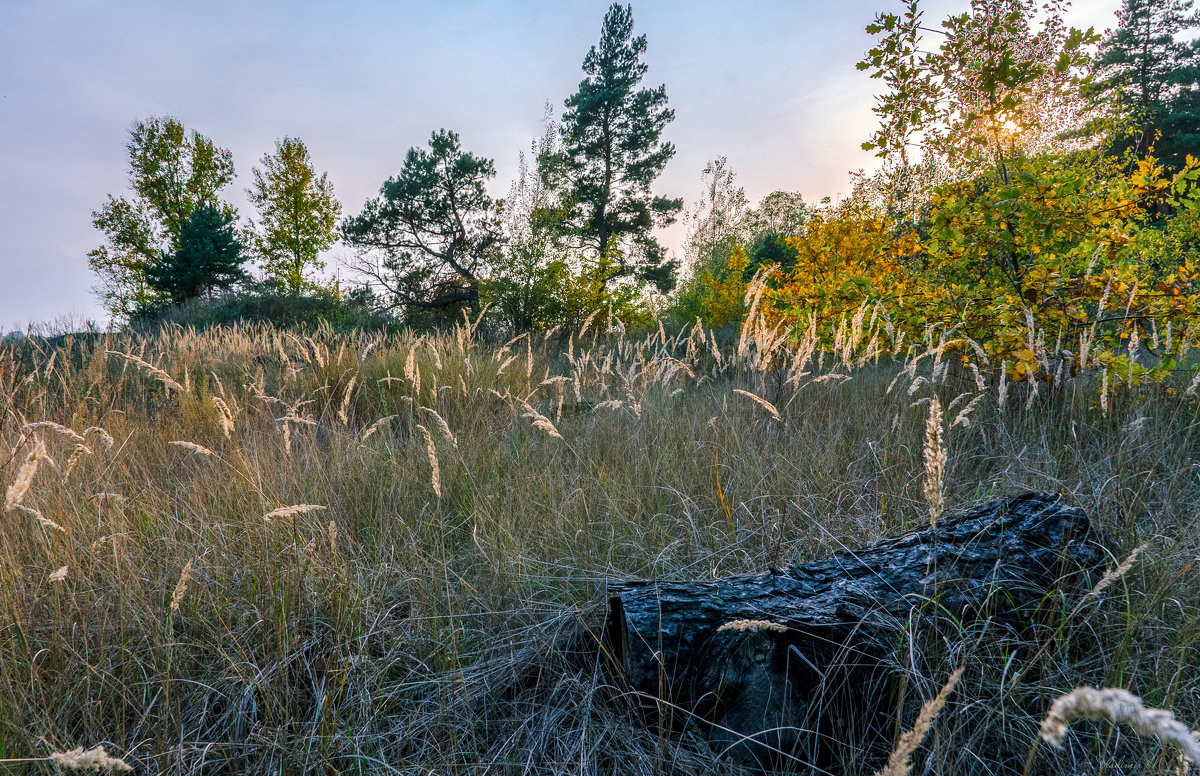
column 769, row 84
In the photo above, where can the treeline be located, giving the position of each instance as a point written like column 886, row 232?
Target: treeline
column 575, row 234
column 1036, row 214
column 1033, row 175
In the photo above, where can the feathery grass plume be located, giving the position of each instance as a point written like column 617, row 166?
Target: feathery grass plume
column 224, row 415
column 1002, row 391
column 435, row 475
column 333, row 537
column 935, row 462
column 586, row 323
column 1193, row 385
column 753, row 625
column 504, row 366
column 411, row 372
column 77, row 454
column 317, row 355
column 377, row 425
column 105, row 438
column 444, row 426
column 293, row 510
column 964, row 417
column 46, row 522
column 900, row 761
column 149, row 369
column 192, row 447
column 181, row 586
column 343, row 411
column 49, row 425
column 831, row 376
column 540, row 421
column 760, row 401
column 1117, row 705
column 95, row 759
column 1104, row 394
column 29, row 511
column 58, row 575
column 1120, row 571
column 16, row 491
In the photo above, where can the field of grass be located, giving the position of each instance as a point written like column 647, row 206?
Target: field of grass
column 248, row 551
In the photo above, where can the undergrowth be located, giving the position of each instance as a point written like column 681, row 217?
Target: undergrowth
column 246, row 551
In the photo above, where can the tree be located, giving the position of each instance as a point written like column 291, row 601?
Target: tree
column 613, row 153
column 1154, row 76
column 208, row 256
column 780, row 215
column 994, row 85
column 431, row 231
column 297, row 215
column 529, row 277
column 714, row 225
column 171, row 172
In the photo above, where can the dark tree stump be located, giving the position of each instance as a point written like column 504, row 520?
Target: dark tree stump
column 778, row 664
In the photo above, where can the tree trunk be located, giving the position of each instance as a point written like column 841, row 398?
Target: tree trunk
column 779, row 664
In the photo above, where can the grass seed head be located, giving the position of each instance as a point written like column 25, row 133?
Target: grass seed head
column 95, row 759
column 1118, row 706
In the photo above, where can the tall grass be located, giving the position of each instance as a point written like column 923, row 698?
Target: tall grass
column 441, row 514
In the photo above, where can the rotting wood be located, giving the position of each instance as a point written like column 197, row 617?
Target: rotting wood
column 779, row 664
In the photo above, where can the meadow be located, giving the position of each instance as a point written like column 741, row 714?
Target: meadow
column 249, row 550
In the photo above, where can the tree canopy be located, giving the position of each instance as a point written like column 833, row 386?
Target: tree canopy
column 297, row 215
column 171, row 173
column 613, row 152
column 428, row 235
column 1153, row 77
column 208, row 256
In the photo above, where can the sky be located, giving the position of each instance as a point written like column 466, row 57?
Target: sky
column 769, row 84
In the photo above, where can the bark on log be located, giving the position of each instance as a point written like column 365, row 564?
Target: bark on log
column 789, row 651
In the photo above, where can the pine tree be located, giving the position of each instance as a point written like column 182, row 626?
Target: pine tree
column 1154, row 76
column 208, row 256
column 431, row 233
column 297, row 215
column 613, row 152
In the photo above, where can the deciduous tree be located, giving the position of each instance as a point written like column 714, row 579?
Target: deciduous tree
column 171, row 172
column 297, row 215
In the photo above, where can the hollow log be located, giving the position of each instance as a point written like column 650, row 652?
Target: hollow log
column 778, row 665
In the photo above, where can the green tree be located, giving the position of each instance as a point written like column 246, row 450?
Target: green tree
column 1154, row 77
column 208, row 256
column 432, row 231
column 780, row 215
column 612, row 154
column 297, row 215
column 171, row 172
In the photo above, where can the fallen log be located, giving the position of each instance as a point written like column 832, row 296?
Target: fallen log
column 776, row 665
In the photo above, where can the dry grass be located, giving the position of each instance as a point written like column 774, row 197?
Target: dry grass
column 423, row 624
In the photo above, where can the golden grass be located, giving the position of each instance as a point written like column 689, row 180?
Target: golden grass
column 445, row 526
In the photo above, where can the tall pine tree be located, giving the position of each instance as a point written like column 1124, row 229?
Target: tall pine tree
column 1155, row 75
column 612, row 153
